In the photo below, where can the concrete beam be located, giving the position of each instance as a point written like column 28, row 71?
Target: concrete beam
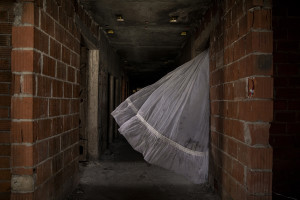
column 93, row 103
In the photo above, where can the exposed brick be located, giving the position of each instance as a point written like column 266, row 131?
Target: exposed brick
column 41, row 41
column 57, row 88
column 234, row 128
column 57, row 125
column 40, row 109
column 248, row 110
column 5, row 76
column 57, row 163
column 68, row 121
column 5, row 101
column 22, row 108
column 66, row 55
column 259, row 42
column 232, row 109
column 54, row 146
column 260, row 19
column 43, row 128
column 44, row 86
column 42, row 150
column 4, row 162
column 74, row 108
column 3, row 16
column 22, row 196
column 54, row 107
column 28, row 13
column 71, row 74
column 5, row 88
column 232, row 148
column 22, row 171
column 5, row 174
column 5, row 150
column 47, row 24
column 55, row 49
column 37, row 14
column 4, row 64
column 263, row 87
column 260, row 158
column 5, row 40
column 4, row 125
column 28, row 84
column 61, row 71
column 25, row 60
column 68, row 90
column 4, row 186
column 44, row 171
column 67, row 156
column 22, row 156
column 238, row 172
column 5, row 51
column 259, row 182
column 63, row 19
column 259, row 133
column 22, row 36
column 22, row 132
column 214, row 138
column 239, row 90
column 4, row 137
column 59, row 32
column 75, row 60
column 24, row 84
column 5, row 28
column 52, row 8
column 65, row 106
column 49, row 66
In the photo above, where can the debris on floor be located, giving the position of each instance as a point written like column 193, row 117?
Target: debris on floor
column 126, row 176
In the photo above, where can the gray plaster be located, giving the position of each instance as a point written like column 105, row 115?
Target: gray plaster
column 23, row 183
column 146, row 40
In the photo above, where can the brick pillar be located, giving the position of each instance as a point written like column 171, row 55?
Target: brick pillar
column 241, row 100
column 45, row 100
column 24, row 64
column 6, row 20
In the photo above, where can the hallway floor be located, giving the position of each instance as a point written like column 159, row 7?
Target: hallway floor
column 122, row 174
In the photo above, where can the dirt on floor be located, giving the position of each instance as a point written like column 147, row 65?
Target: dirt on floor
column 122, row 174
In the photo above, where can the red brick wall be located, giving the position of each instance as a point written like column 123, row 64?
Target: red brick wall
column 6, row 19
column 285, row 129
column 45, row 102
column 241, row 93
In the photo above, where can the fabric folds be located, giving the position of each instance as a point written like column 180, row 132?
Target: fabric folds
column 168, row 121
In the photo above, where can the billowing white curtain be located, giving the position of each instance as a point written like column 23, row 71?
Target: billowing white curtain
column 168, row 121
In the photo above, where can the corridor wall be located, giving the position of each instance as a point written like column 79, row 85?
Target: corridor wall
column 240, row 38
column 40, row 44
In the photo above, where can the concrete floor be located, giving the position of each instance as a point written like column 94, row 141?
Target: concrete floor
column 122, row 174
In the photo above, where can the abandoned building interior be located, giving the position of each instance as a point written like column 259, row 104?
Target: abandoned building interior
column 65, row 65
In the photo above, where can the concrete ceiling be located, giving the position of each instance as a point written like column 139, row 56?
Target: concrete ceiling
column 146, row 41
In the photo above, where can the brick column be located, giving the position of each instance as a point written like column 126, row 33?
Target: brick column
column 45, row 101
column 25, row 63
column 241, row 100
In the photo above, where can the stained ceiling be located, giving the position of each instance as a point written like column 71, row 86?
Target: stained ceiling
column 146, row 41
